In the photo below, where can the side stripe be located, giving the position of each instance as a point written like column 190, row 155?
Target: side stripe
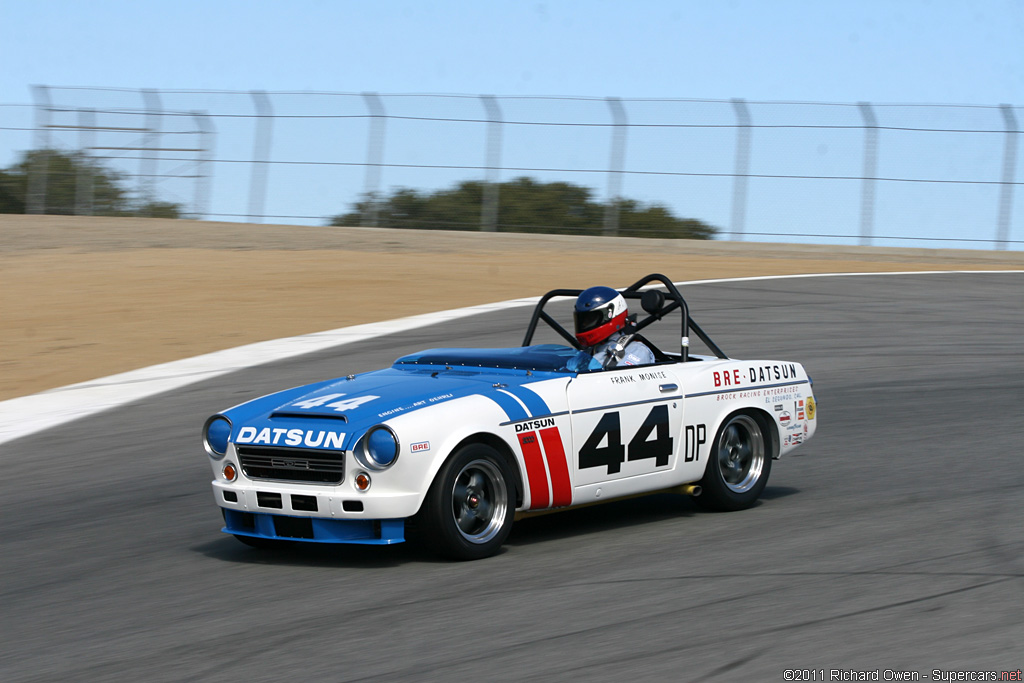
column 513, row 408
column 558, row 466
column 530, row 398
column 536, row 475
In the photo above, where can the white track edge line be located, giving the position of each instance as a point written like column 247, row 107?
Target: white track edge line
column 37, row 412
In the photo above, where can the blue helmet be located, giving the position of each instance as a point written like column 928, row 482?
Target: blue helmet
column 599, row 313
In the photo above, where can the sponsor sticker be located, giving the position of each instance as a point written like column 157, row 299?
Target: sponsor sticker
column 794, row 439
column 810, row 407
column 419, row 447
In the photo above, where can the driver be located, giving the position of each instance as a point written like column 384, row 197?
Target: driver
column 600, row 316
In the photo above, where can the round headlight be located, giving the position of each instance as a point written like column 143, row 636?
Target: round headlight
column 216, row 432
column 381, row 447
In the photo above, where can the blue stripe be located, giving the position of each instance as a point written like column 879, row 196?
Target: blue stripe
column 534, row 403
column 512, row 408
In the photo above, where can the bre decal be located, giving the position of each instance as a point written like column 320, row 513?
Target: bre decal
column 726, row 379
column 754, row 375
column 419, row 447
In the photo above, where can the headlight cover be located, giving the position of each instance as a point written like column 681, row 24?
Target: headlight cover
column 216, row 433
column 380, row 447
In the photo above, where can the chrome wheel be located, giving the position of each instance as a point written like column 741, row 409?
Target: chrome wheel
column 479, row 501
column 741, row 453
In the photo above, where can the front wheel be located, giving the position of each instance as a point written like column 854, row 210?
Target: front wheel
column 738, row 465
column 468, row 512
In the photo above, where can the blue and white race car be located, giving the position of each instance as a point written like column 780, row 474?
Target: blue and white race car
column 457, row 443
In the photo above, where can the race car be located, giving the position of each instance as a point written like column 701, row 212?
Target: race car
column 455, row 444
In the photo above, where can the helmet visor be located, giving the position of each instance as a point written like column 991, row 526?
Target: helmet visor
column 589, row 320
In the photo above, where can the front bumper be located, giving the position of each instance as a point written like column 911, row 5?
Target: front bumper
column 329, row 502
column 313, row 529
column 318, row 514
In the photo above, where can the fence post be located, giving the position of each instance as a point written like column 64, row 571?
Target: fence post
column 739, row 187
column 84, row 182
column 492, row 164
column 151, row 146
column 867, row 206
column 374, row 157
column 1009, row 172
column 616, row 163
column 260, row 154
column 35, row 202
column 203, row 154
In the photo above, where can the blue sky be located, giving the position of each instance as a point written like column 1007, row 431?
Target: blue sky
column 892, row 51
column 909, row 51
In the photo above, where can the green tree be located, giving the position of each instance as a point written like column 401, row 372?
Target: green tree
column 65, row 173
column 524, row 205
column 12, row 194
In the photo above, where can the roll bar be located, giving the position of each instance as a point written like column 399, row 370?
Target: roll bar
column 655, row 303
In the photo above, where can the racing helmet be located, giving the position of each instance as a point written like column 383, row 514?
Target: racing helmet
column 599, row 312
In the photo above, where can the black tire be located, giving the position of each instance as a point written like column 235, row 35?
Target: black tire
column 738, row 465
column 468, row 511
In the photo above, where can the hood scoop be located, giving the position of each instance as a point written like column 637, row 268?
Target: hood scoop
column 284, row 414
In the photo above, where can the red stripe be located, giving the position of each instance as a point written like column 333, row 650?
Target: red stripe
column 536, row 476
column 558, row 467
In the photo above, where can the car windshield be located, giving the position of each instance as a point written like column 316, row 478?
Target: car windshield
column 540, row 358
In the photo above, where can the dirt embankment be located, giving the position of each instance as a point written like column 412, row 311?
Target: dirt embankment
column 81, row 298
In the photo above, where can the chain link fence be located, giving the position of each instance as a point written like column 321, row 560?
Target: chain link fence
column 831, row 173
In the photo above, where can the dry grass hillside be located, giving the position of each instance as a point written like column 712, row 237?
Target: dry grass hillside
column 81, row 298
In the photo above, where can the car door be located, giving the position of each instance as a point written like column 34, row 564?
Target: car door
column 626, row 425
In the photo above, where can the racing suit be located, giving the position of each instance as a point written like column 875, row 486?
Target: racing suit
column 595, row 357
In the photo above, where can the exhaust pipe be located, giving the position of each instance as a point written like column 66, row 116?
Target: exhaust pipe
column 690, row 490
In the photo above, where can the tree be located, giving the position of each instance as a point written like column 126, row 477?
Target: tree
column 12, row 194
column 70, row 179
column 524, row 205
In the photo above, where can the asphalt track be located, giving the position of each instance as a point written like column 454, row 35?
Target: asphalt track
column 892, row 541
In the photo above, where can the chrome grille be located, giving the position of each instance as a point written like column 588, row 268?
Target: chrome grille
column 292, row 464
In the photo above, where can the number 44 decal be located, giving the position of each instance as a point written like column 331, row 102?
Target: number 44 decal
column 641, row 446
column 339, row 406
column 613, row 454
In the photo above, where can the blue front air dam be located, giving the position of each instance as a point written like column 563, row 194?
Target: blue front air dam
column 314, row 529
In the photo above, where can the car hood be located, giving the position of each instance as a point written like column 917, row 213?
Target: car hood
column 335, row 413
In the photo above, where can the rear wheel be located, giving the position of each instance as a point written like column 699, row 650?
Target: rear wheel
column 738, row 465
column 468, row 512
